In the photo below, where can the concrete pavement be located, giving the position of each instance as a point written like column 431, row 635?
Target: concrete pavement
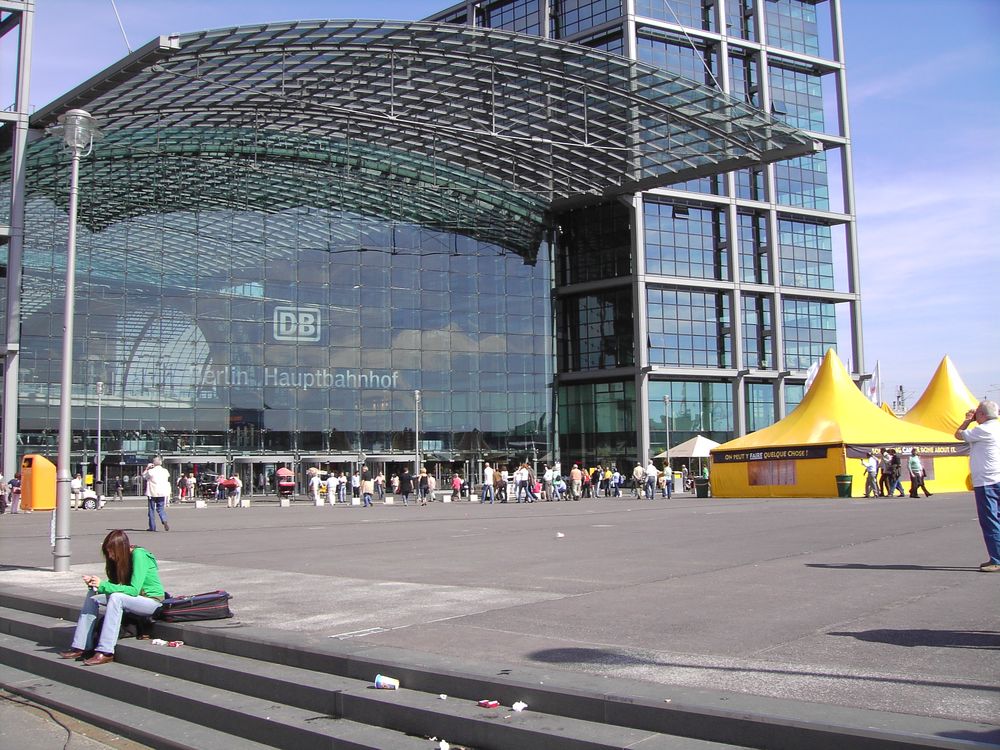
column 865, row 603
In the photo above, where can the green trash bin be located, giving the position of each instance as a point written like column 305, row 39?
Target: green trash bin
column 844, row 485
column 701, row 487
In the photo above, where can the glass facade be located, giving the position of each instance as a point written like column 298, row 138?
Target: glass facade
column 690, row 59
column 571, row 17
column 803, row 182
column 760, row 405
column 596, row 331
column 793, row 25
column 758, row 327
column 597, row 423
column 697, row 407
column 686, row 240
column 695, row 14
column 810, row 328
column 806, row 251
column 521, row 16
column 594, row 244
column 754, row 248
column 730, row 235
column 300, row 330
column 797, row 95
column 223, row 323
column 688, row 328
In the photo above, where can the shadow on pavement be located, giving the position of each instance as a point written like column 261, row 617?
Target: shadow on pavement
column 991, row 736
column 587, row 656
column 978, row 639
column 863, row 566
column 609, row 657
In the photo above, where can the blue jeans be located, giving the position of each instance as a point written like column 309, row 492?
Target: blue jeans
column 488, row 492
column 368, row 499
column 156, row 508
column 650, row 487
column 117, row 604
column 988, row 508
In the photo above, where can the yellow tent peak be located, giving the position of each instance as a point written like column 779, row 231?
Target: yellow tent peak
column 945, row 400
column 887, row 409
column 834, row 411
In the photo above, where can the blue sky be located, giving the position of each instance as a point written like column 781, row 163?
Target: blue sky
column 925, row 106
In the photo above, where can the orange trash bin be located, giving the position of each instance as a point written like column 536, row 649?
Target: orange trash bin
column 38, row 483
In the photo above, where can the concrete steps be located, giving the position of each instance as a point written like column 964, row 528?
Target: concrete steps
column 279, row 690
column 208, row 695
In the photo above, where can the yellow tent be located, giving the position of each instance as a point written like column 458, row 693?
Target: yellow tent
column 944, row 402
column 887, row 409
column 827, row 434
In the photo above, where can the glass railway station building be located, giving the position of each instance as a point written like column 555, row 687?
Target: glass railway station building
column 555, row 220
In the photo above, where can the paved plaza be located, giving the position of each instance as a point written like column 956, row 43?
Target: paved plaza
column 865, row 603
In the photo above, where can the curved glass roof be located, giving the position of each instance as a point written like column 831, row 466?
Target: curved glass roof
column 473, row 130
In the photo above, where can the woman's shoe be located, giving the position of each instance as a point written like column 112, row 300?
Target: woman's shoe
column 98, row 659
column 73, row 653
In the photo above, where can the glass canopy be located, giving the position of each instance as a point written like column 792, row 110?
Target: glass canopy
column 475, row 131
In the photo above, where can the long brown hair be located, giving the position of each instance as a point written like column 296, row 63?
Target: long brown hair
column 118, row 557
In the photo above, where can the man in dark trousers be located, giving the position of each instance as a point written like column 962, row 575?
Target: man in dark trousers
column 984, row 465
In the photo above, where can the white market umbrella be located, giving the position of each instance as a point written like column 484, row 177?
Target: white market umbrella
column 697, row 447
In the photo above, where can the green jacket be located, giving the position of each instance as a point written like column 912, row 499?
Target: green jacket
column 145, row 578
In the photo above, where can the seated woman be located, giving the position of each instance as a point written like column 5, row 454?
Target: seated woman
column 133, row 585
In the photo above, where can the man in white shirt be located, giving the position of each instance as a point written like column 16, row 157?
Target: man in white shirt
column 488, row 483
column 871, row 473
column 75, row 491
column 984, row 465
column 651, row 474
column 547, row 476
column 314, row 483
column 157, row 491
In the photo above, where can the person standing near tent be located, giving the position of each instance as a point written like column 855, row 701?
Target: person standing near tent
column 884, row 473
column 871, row 472
column 895, row 472
column 984, row 465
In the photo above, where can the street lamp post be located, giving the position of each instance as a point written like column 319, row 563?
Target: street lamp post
column 416, row 432
column 99, row 478
column 78, row 130
column 666, row 423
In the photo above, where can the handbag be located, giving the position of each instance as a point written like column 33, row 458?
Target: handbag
column 212, row 605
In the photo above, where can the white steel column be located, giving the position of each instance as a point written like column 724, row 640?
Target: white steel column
column 15, row 247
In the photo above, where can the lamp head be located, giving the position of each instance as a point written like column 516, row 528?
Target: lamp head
column 78, row 129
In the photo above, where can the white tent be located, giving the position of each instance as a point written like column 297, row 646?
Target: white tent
column 697, row 447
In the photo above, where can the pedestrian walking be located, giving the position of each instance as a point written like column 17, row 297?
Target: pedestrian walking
column 917, row 475
column 895, row 473
column 405, row 485
column 488, row 484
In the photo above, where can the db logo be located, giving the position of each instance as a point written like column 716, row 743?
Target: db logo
column 296, row 324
